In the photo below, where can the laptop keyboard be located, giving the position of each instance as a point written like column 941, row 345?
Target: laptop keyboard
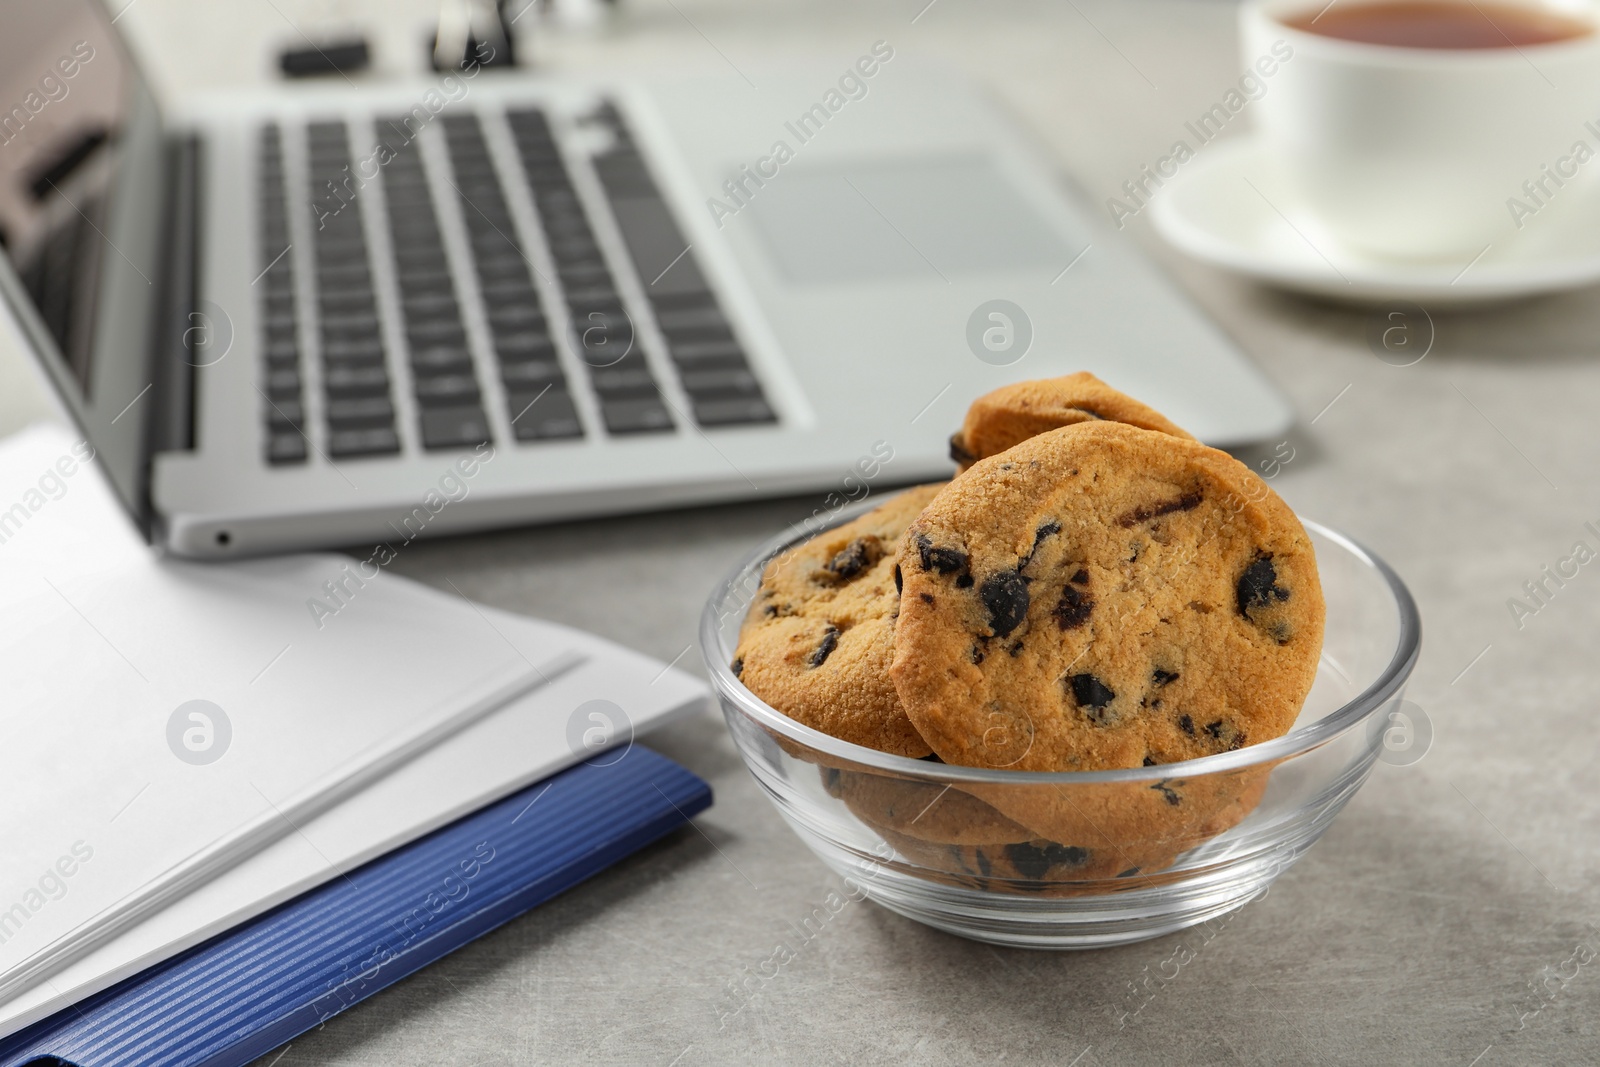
column 710, row 364
column 449, row 402
column 539, row 405
column 280, row 340
column 355, row 375
column 603, row 336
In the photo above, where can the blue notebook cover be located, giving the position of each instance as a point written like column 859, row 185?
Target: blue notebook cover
column 245, row 992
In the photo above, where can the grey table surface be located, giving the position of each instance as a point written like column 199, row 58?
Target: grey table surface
column 1416, row 931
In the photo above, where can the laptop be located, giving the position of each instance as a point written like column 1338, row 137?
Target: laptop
column 341, row 313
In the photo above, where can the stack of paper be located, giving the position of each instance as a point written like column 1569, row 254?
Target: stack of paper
column 184, row 746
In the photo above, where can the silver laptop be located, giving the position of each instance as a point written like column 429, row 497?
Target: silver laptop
column 333, row 314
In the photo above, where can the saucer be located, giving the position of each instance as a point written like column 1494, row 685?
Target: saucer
column 1229, row 207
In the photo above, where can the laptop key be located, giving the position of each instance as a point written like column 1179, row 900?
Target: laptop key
column 363, row 411
column 697, row 353
column 531, row 375
column 447, row 389
column 515, row 318
column 281, row 349
column 454, row 427
column 682, row 321
column 440, row 359
column 336, row 300
column 616, row 382
column 511, row 289
column 286, row 414
column 356, row 381
column 508, row 263
column 446, row 331
column 283, row 321
column 733, row 412
column 366, row 442
column 347, row 326
column 355, row 349
column 543, row 416
column 519, row 346
column 286, row 447
column 635, row 416
column 584, row 275
column 424, row 304
column 720, row 383
column 590, row 295
column 283, row 384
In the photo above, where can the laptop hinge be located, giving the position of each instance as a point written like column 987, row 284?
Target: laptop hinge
column 184, row 332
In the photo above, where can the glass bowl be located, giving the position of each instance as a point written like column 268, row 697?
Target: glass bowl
column 1088, row 858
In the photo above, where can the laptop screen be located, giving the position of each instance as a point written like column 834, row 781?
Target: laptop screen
column 82, row 170
column 63, row 106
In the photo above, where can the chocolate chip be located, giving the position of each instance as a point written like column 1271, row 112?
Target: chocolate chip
column 899, row 582
column 830, row 780
column 943, row 560
column 932, row 757
column 1172, row 798
column 830, row 641
column 1227, row 733
column 770, row 611
column 1046, row 529
column 738, row 667
column 1129, row 873
column 1015, row 648
column 1033, row 862
column 1146, row 512
column 1258, row 586
column 1074, row 609
column 958, row 451
column 1005, row 595
column 1161, row 677
column 964, row 581
column 1081, row 578
column 855, row 557
column 926, row 598
column 959, row 860
column 977, row 655
column 1186, row 724
column 1149, row 761
column 1090, row 692
column 983, row 863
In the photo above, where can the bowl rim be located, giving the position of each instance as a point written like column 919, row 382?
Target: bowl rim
column 1408, row 646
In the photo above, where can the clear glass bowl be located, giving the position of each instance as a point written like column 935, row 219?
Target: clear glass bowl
column 1082, row 859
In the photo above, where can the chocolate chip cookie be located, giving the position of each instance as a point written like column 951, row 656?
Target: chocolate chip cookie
column 1137, row 826
column 1014, row 413
column 1108, row 831
column 924, row 810
column 820, row 633
column 1105, row 596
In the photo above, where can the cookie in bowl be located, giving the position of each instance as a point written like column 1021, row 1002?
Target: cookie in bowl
column 1013, row 413
column 819, row 636
column 1104, row 596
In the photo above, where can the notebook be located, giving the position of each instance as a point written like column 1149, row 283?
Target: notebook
column 110, row 783
column 289, row 970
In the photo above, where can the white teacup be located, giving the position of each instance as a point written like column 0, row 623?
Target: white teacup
column 1418, row 153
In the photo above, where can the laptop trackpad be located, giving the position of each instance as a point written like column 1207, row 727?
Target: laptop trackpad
column 927, row 217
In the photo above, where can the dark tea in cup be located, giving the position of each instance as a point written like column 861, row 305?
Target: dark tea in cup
column 1451, row 24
